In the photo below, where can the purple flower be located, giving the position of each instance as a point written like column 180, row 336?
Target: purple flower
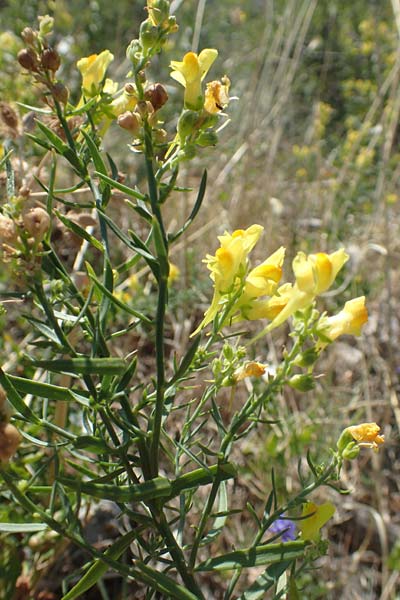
column 285, row 527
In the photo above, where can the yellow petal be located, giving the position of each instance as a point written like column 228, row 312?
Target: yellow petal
column 316, row 517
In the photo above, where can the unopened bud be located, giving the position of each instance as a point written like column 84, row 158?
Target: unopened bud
column 157, row 95
column 172, row 25
column 8, row 116
column 50, row 59
column 302, row 383
column 133, row 51
column 130, row 89
column 10, row 439
column 144, row 108
column 60, row 92
column 158, row 11
column 46, row 24
column 187, row 123
column 28, row 59
column 148, row 35
column 8, row 230
column 24, row 192
column 28, row 35
column 36, row 222
column 307, row 358
column 207, row 138
column 351, row 451
column 130, row 121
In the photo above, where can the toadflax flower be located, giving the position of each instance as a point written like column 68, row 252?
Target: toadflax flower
column 365, row 434
column 228, row 265
column 313, row 518
column 93, row 69
column 217, row 96
column 348, row 321
column 249, row 369
column 314, row 274
column 190, row 72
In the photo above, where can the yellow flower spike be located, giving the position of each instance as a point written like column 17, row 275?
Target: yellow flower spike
column 314, row 518
column 367, row 434
column 250, row 369
column 348, row 321
column 229, row 263
column 190, row 72
column 93, row 69
column 217, row 95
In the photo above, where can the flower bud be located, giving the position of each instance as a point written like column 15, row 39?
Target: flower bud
column 172, row 25
column 351, row 451
column 28, row 59
column 133, row 51
column 145, row 109
column 50, row 59
column 130, row 121
column 60, row 92
column 46, row 24
column 8, row 116
column 28, row 35
column 302, row 383
column 10, row 439
column 158, row 11
column 207, row 138
column 36, row 222
column 8, row 230
column 148, row 35
column 307, row 358
column 157, row 95
column 187, row 123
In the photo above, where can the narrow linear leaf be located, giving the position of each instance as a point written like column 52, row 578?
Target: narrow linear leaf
column 163, row 583
column 22, row 527
column 186, row 360
column 83, row 366
column 256, row 556
column 80, row 231
column 265, row 581
column 115, row 300
column 47, row 390
column 195, row 209
column 120, row 186
column 159, row 487
column 220, row 521
column 15, row 399
column 99, row 568
column 202, row 476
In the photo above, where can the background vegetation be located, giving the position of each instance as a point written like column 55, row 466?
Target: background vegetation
column 311, row 154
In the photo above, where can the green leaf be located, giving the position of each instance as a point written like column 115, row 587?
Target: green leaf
column 83, row 366
column 120, row 186
column 80, row 231
column 61, row 147
column 22, row 527
column 220, row 521
column 158, row 487
column 15, row 399
column 195, row 209
column 255, row 556
column 113, row 298
column 186, row 360
column 202, row 476
column 99, row 568
column 265, row 581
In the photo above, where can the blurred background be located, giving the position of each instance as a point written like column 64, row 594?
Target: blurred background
column 311, row 153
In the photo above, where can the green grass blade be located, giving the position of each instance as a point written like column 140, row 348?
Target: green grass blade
column 83, row 366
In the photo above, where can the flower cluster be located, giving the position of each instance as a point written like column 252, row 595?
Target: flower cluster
column 241, row 293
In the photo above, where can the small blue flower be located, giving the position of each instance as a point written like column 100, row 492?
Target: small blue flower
column 285, row 527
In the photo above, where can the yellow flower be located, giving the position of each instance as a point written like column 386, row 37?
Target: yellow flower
column 228, row 265
column 348, row 321
column 314, row 274
column 174, row 273
column 190, row 73
column 314, row 518
column 126, row 101
column 269, row 309
column 366, row 434
column 217, row 95
column 263, row 280
column 249, row 369
column 93, row 69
